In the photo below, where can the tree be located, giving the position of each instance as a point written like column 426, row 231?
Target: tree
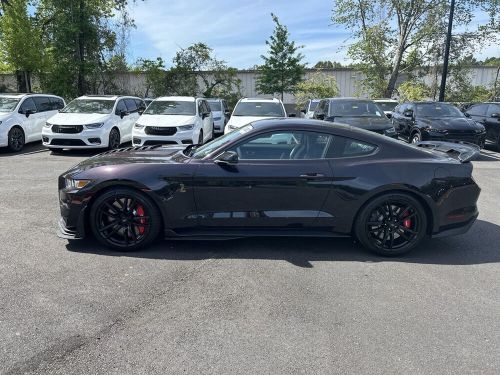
column 154, row 71
column 16, row 28
column 282, row 69
column 492, row 61
column 394, row 36
column 319, row 85
column 327, row 65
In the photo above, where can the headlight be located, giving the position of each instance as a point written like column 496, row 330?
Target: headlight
column 95, row 126
column 76, row 184
column 138, row 126
column 184, row 128
column 46, row 125
column 390, row 131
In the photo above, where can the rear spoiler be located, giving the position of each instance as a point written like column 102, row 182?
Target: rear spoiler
column 462, row 151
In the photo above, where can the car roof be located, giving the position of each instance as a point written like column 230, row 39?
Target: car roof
column 108, row 97
column 177, row 98
column 385, row 100
column 272, row 100
column 349, row 99
column 18, row 95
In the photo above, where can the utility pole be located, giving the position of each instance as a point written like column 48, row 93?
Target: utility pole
column 447, row 53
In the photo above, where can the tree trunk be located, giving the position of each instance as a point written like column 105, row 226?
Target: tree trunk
column 81, row 50
column 395, row 72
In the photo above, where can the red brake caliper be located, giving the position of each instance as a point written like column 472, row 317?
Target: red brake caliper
column 407, row 222
column 140, row 212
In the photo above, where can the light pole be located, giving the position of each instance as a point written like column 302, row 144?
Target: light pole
column 447, row 53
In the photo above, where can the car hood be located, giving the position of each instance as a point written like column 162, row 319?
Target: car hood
column 110, row 161
column 452, row 123
column 368, row 123
column 240, row 121
column 166, row 120
column 78, row 118
column 4, row 115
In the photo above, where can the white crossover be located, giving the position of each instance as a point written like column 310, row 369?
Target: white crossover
column 93, row 121
column 220, row 112
column 248, row 110
column 22, row 117
column 174, row 120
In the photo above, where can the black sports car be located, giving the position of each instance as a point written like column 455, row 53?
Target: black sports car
column 291, row 177
column 361, row 113
column 425, row 121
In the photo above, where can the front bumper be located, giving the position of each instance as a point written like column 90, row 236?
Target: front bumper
column 88, row 138
column 140, row 138
column 219, row 126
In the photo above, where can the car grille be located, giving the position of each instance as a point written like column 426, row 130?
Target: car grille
column 160, row 130
column 152, row 143
column 67, row 142
column 67, row 129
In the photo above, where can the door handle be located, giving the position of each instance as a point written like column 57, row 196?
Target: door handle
column 312, row 175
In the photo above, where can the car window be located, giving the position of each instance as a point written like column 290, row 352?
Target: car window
column 493, row 108
column 42, row 103
column 57, row 103
column 387, row 106
column 131, row 105
column 354, row 108
column 140, row 104
column 28, row 104
column 284, row 145
column 477, row 110
column 313, row 105
column 89, row 106
column 259, row 109
column 8, row 104
column 433, row 110
column 215, row 105
column 120, row 107
column 171, row 107
column 348, row 147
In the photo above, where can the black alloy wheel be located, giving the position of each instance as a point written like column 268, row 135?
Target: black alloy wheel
column 416, row 137
column 200, row 138
column 124, row 219
column 16, row 139
column 114, row 139
column 392, row 224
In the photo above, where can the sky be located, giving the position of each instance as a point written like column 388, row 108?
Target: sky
column 237, row 30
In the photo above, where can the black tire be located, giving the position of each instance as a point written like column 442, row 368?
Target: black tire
column 391, row 224
column 200, row 137
column 114, row 139
column 125, row 219
column 16, row 139
column 415, row 137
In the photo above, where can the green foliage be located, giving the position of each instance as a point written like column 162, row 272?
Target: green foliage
column 492, row 61
column 154, row 71
column 282, row 69
column 319, row 85
column 327, row 65
column 412, row 91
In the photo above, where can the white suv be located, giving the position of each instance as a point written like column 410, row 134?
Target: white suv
column 248, row 110
column 221, row 113
column 174, row 120
column 93, row 121
column 22, row 117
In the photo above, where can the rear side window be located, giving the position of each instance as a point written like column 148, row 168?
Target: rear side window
column 348, row 147
column 493, row 108
column 42, row 103
column 57, row 103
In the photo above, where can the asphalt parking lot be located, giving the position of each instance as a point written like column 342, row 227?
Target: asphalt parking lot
column 255, row 306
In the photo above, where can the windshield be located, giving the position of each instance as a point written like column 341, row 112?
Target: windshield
column 259, row 109
column 210, row 147
column 8, row 104
column 89, row 106
column 387, row 106
column 313, row 106
column 437, row 110
column 346, row 108
column 171, row 107
column 215, row 105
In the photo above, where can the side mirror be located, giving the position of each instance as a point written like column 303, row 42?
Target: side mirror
column 29, row 112
column 227, row 158
column 124, row 113
column 292, row 115
column 408, row 113
column 495, row 115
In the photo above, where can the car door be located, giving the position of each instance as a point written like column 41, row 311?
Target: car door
column 477, row 112
column 30, row 120
column 280, row 180
column 44, row 112
column 492, row 122
column 122, row 122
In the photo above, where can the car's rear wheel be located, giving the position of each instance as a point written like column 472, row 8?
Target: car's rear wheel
column 16, row 139
column 114, row 139
column 392, row 224
column 125, row 219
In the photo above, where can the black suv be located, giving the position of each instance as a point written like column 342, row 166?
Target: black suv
column 361, row 113
column 424, row 121
column 488, row 114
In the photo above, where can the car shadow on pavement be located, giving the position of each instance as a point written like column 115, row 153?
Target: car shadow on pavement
column 479, row 245
column 82, row 153
column 30, row 148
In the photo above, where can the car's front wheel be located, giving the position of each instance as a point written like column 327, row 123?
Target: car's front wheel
column 391, row 224
column 416, row 137
column 114, row 139
column 125, row 219
column 16, row 139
